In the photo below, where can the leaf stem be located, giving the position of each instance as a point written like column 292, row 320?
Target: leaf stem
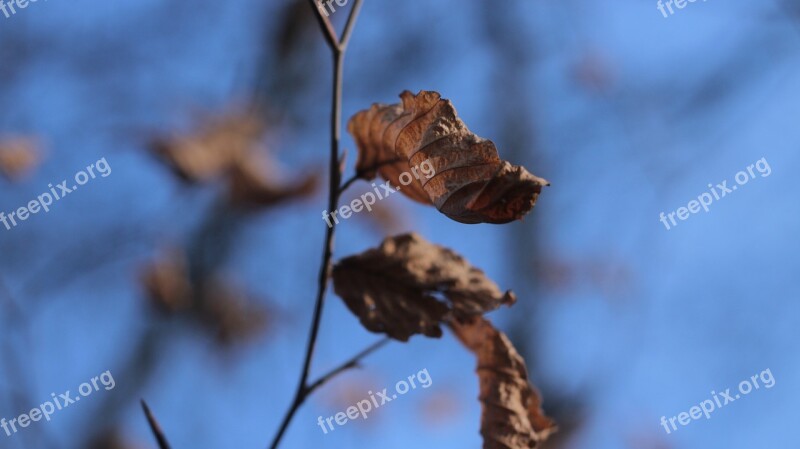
column 362, row 173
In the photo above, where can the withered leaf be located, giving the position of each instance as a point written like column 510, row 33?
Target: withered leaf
column 409, row 286
column 471, row 183
column 211, row 150
column 18, row 156
column 512, row 416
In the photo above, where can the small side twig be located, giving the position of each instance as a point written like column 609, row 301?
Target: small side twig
column 348, row 27
column 326, row 25
column 360, row 173
column 345, row 185
column 155, row 427
column 306, row 391
column 352, row 363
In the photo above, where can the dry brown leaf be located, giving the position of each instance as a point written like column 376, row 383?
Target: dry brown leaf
column 18, row 156
column 409, row 286
column 211, row 150
column 512, row 416
column 471, row 183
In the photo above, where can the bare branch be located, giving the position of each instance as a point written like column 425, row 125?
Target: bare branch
column 335, row 174
column 348, row 28
column 327, row 27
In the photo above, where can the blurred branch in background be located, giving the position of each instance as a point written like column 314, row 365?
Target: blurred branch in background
column 187, row 286
column 16, row 344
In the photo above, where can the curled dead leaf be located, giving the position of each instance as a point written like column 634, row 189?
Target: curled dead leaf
column 471, row 183
column 409, row 286
column 18, row 156
column 512, row 416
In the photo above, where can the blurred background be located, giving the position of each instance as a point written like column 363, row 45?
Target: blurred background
column 627, row 113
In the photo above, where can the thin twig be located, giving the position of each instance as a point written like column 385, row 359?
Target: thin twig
column 335, row 174
column 307, row 390
column 325, row 266
column 345, row 185
column 333, row 203
column 348, row 28
column 352, row 363
column 360, row 173
column 325, row 24
column 155, row 427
